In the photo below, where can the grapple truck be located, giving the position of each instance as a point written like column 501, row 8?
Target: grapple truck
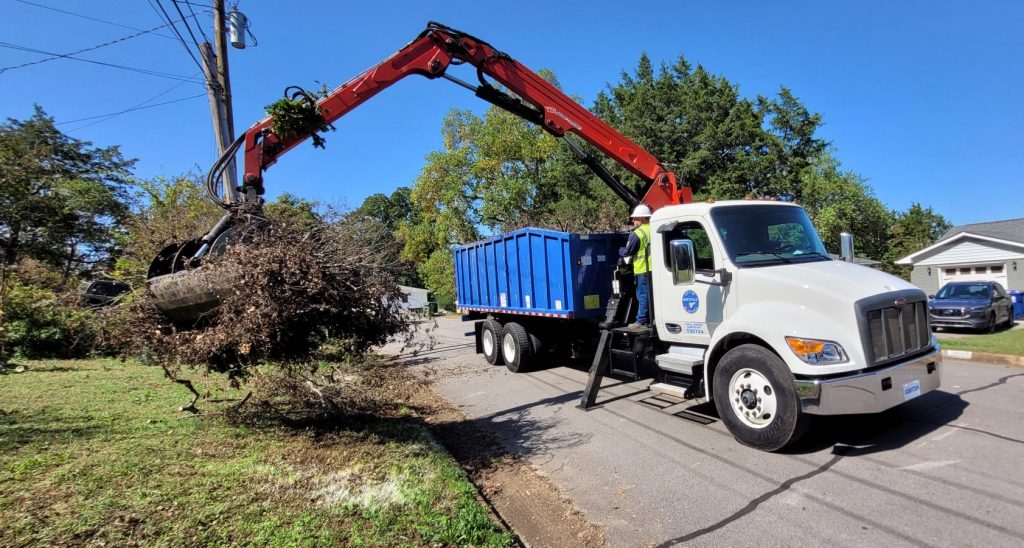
column 749, row 311
column 748, row 308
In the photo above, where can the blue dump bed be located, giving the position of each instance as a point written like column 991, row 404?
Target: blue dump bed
column 537, row 272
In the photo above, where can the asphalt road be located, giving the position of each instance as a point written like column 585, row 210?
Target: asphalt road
column 945, row 469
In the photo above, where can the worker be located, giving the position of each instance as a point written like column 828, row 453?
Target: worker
column 638, row 252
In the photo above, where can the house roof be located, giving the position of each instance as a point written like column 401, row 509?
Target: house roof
column 1010, row 231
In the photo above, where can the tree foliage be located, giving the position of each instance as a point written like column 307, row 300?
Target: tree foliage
column 722, row 144
column 841, row 201
column 62, row 200
column 913, row 230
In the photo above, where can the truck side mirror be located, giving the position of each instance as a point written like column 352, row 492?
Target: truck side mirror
column 681, row 252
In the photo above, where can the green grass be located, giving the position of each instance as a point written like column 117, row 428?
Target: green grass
column 95, row 451
column 1007, row 342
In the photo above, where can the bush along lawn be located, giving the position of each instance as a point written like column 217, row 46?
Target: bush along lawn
column 95, row 451
column 1006, row 342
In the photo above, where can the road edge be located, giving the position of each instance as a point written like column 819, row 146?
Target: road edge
column 971, row 355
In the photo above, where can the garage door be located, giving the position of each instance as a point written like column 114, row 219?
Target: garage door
column 982, row 273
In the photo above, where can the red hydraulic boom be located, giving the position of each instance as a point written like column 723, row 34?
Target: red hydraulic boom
column 530, row 97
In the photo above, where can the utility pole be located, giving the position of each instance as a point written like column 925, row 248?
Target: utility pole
column 218, row 111
column 222, row 64
column 218, row 86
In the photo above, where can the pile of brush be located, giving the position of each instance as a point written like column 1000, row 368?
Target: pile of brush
column 285, row 290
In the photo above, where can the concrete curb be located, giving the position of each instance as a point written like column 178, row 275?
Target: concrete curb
column 1002, row 359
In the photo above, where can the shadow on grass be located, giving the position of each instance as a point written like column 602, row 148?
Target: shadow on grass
column 20, row 427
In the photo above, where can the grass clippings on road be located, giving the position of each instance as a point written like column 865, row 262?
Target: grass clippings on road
column 96, row 452
column 1006, row 342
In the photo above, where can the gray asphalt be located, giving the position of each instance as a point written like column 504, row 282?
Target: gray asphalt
column 945, row 469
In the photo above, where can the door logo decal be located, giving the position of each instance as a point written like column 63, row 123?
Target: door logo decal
column 691, row 302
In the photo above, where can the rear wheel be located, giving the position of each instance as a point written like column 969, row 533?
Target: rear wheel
column 516, row 348
column 490, row 337
column 756, row 399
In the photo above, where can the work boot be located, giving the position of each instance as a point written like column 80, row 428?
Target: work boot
column 638, row 326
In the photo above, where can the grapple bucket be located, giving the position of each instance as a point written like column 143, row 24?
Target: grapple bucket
column 181, row 288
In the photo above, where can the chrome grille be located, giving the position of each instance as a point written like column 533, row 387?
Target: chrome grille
column 897, row 331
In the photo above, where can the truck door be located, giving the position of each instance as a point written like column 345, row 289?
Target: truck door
column 686, row 311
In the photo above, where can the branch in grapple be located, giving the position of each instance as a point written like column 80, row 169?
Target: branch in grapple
column 299, row 115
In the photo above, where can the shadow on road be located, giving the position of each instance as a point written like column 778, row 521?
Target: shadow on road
column 875, row 433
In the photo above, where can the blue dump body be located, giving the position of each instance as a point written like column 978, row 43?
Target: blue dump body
column 538, row 272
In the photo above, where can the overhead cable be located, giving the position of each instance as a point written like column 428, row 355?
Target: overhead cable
column 89, row 17
column 102, row 63
column 98, row 46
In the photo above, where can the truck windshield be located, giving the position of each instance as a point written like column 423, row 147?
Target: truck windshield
column 758, row 235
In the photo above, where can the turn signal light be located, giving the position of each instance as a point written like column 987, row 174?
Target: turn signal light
column 816, row 352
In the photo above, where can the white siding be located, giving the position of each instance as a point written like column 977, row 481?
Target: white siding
column 415, row 298
column 968, row 251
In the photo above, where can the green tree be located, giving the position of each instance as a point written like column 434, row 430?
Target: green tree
column 300, row 211
column 393, row 210
column 841, row 201
column 721, row 144
column 61, row 199
column 912, row 230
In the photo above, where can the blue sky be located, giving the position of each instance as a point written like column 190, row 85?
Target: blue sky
column 922, row 98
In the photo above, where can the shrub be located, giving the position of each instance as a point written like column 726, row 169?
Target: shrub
column 40, row 323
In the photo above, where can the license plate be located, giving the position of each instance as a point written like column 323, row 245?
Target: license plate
column 911, row 390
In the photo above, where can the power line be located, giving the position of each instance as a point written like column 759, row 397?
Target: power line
column 196, row 19
column 111, row 65
column 210, row 69
column 89, row 17
column 112, row 42
column 135, row 106
column 178, row 34
column 120, row 112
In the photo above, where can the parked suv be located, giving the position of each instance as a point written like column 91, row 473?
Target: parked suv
column 972, row 305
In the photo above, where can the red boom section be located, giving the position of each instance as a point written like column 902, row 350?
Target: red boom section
column 430, row 55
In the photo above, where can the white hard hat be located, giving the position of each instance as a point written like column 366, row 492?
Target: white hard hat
column 641, row 211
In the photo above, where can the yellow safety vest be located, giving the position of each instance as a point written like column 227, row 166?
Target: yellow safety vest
column 642, row 260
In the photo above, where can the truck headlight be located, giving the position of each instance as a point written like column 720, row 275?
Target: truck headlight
column 817, row 352
column 981, row 308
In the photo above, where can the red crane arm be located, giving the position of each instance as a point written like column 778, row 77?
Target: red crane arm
column 430, row 55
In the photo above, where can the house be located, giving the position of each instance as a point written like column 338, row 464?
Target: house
column 981, row 251
column 414, row 298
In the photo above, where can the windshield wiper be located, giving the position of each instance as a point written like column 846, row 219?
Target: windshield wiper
column 780, row 256
column 813, row 254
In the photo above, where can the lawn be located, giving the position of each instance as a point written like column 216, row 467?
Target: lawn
column 1006, row 342
column 96, row 451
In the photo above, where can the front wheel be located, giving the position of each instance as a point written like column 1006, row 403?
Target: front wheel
column 990, row 327
column 756, row 399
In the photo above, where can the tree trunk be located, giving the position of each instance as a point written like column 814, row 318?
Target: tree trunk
column 69, row 263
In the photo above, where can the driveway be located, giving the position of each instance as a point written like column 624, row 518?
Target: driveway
column 944, row 469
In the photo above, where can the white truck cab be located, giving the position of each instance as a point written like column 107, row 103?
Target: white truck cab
column 746, row 291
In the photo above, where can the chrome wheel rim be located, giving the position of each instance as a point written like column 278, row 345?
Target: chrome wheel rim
column 752, row 398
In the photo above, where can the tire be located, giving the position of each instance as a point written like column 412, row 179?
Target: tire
column 1009, row 317
column 516, row 349
column 490, row 341
column 753, row 375
column 990, row 327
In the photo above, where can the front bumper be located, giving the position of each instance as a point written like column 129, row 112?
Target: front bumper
column 969, row 322
column 873, row 391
